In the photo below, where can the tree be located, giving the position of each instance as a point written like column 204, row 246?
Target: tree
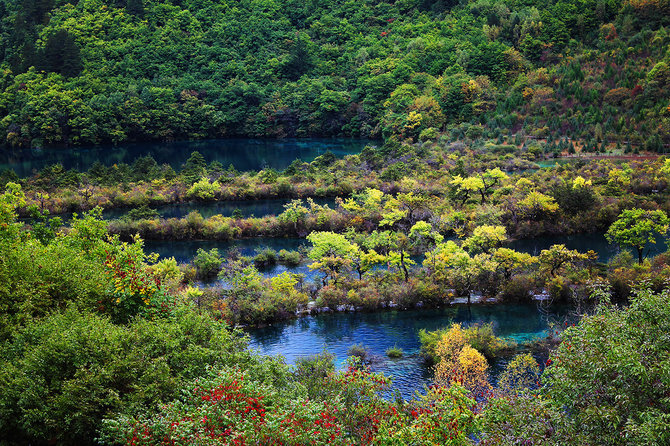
column 61, row 54
column 508, row 260
column 485, row 238
column 521, row 374
column 636, row 228
column 536, row 205
column 194, row 168
column 467, row 186
column 558, row 256
column 12, row 199
column 363, row 261
column 135, row 7
column 460, row 363
column 331, row 253
column 413, row 203
column 424, row 237
column 490, row 179
column 608, row 375
column 294, row 213
column 64, row 374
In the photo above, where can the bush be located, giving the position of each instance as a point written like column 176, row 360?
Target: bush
column 203, row 190
column 479, row 336
column 331, row 297
column 312, row 371
column 63, row 375
column 428, row 134
column 359, row 351
column 558, row 289
column 207, row 263
column 517, row 289
column 141, row 213
column 394, row 352
column 265, row 258
column 290, row 258
column 613, row 366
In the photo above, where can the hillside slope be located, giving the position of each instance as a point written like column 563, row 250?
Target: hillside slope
column 101, row 71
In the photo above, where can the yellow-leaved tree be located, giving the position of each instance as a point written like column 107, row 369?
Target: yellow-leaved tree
column 460, row 363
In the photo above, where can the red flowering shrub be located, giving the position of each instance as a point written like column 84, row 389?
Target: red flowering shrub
column 231, row 407
column 133, row 288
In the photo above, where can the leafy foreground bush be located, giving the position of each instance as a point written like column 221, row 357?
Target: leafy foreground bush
column 62, row 376
column 479, row 336
column 229, row 407
column 607, row 383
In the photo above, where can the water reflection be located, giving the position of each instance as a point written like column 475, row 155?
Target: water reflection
column 244, row 154
column 185, row 250
column 246, row 208
column 582, row 243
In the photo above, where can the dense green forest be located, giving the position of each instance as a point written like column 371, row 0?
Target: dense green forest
column 93, row 71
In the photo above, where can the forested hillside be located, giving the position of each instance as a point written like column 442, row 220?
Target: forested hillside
column 99, row 71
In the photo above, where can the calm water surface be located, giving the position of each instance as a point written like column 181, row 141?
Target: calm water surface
column 244, row 154
column 582, row 243
column 248, row 208
column 335, row 333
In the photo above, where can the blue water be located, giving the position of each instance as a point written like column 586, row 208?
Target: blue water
column 244, row 154
column 184, row 251
column 378, row 331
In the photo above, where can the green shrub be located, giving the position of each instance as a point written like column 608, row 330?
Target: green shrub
column 394, row 352
column 63, row 375
column 207, row 263
column 265, row 258
column 517, row 289
column 331, row 297
column 203, row 190
column 359, row 351
column 141, row 213
column 290, row 258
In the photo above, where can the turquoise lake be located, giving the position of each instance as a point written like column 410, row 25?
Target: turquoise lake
column 378, row 331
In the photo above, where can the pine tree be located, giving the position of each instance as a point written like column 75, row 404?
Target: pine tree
column 135, row 7
column 60, row 55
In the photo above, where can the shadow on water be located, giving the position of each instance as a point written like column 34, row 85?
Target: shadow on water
column 381, row 330
column 582, row 242
column 246, row 208
column 244, row 154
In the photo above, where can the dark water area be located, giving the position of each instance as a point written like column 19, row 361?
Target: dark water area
column 378, row 331
column 244, row 154
column 582, row 243
column 185, row 250
column 247, row 208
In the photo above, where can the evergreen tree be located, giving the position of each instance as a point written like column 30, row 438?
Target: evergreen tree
column 135, row 7
column 60, row 54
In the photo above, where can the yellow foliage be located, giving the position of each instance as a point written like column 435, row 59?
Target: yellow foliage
column 467, row 367
column 451, row 344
